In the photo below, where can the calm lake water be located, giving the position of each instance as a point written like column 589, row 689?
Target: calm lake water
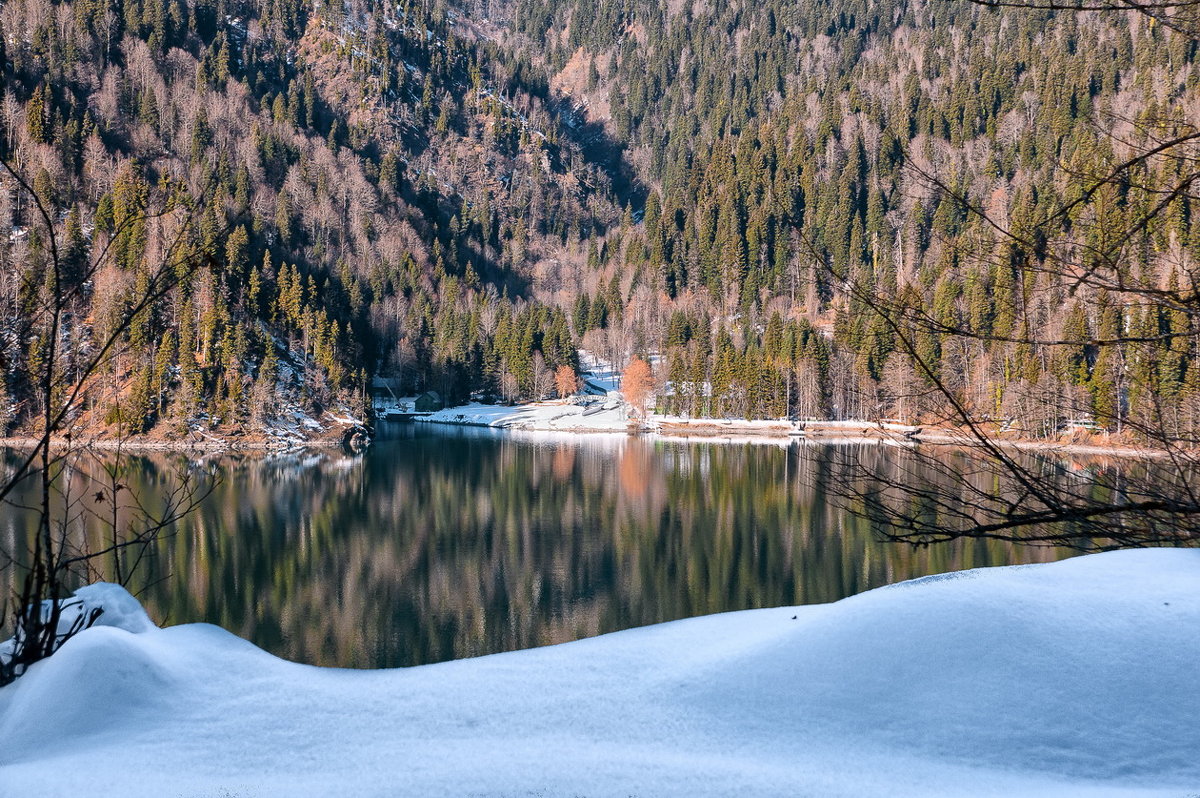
column 445, row 542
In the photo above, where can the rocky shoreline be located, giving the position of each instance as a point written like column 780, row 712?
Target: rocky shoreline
column 339, row 434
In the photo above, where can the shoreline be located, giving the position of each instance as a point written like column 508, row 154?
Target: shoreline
column 136, row 445
column 699, row 430
column 777, row 432
column 108, row 444
column 281, row 437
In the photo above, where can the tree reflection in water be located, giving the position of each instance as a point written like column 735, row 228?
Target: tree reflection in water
column 442, row 543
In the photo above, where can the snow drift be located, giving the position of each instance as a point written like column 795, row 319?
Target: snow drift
column 1073, row 678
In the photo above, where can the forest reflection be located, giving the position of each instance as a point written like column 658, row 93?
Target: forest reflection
column 442, row 543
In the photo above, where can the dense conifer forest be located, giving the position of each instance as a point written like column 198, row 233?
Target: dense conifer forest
column 456, row 196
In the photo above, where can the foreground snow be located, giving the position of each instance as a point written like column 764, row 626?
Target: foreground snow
column 1071, row 678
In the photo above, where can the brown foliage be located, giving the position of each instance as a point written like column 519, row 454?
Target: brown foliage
column 565, row 381
column 637, row 383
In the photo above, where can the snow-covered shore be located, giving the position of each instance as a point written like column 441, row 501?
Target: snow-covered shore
column 614, row 415
column 1072, row 678
column 563, row 417
column 610, row 416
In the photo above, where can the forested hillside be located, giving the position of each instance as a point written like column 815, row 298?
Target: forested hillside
column 348, row 192
column 457, row 196
column 794, row 153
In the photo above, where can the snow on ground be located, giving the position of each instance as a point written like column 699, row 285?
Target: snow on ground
column 599, row 408
column 608, row 415
column 778, row 426
column 1072, row 678
column 548, row 416
column 598, row 375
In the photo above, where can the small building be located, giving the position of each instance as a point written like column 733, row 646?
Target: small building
column 429, row 402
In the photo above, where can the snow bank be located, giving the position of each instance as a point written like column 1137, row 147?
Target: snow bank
column 1072, row 678
column 120, row 609
column 117, row 607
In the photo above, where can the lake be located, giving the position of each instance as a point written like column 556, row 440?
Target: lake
column 448, row 542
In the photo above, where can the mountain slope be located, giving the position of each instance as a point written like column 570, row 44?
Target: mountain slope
column 360, row 191
column 458, row 197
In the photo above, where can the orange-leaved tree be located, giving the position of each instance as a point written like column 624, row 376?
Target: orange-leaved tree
column 637, row 383
column 565, row 381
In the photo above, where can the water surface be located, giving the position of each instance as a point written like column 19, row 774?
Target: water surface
column 446, row 542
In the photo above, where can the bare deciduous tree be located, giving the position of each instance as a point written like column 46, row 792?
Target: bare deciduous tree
column 543, row 377
column 991, row 488
column 509, row 387
column 56, row 557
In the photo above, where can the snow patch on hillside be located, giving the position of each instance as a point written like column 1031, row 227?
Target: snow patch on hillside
column 1072, row 678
